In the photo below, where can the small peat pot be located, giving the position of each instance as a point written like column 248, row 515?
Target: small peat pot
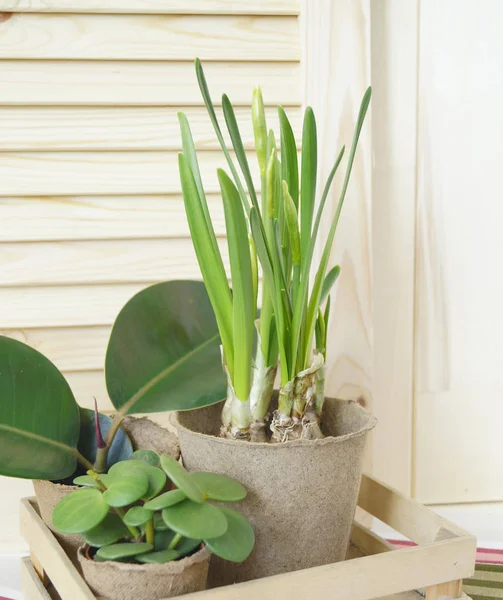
column 302, row 494
column 112, row 580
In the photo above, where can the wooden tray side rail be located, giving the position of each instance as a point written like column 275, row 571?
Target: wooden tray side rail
column 444, row 557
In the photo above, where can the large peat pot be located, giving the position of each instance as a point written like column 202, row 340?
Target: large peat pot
column 302, row 494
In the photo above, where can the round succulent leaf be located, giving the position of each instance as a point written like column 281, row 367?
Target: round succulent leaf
column 109, row 531
column 88, row 481
column 187, row 545
column 137, row 516
column 80, row 511
column 195, row 520
column 181, row 478
column 156, row 477
column 126, row 489
column 175, row 335
column 121, row 448
column 147, row 456
column 124, row 550
column 219, row 487
column 237, row 542
column 165, row 500
column 163, row 537
column 163, row 556
column 39, row 417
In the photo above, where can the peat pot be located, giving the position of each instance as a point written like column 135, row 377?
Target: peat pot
column 112, row 580
column 302, row 494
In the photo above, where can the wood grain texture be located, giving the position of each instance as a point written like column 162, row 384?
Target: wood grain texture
column 100, row 173
column 102, row 128
column 87, row 385
column 69, row 348
column 394, row 79
column 334, row 88
column 59, row 218
column 459, row 291
column 143, row 83
column 149, row 37
column 266, row 7
column 99, row 262
column 63, row 306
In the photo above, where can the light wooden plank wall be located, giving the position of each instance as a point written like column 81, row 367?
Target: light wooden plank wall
column 90, row 200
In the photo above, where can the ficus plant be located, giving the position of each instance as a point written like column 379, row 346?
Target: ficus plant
column 126, row 514
column 276, row 224
column 150, row 361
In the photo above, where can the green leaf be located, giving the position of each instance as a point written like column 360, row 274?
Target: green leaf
column 185, row 546
column 126, row 550
column 147, row 456
column 137, row 516
column 88, row 481
column 219, row 487
column 181, row 478
column 39, row 418
column 209, row 258
column 195, row 520
column 203, row 86
column 289, row 163
column 300, row 308
column 314, row 301
column 259, row 129
column 156, row 477
column 329, row 281
column 165, row 500
column 292, row 224
column 237, row 143
column 109, row 531
column 162, row 336
column 309, row 161
column 237, row 542
column 121, row 448
column 80, row 511
column 127, row 488
column 160, row 557
column 243, row 305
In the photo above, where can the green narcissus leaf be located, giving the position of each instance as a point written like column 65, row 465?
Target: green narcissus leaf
column 195, row 520
column 163, row 556
column 88, row 481
column 137, row 516
column 80, row 511
column 156, row 477
column 162, row 336
column 147, row 456
column 109, row 531
column 237, row 542
column 165, row 500
column 39, row 417
column 181, row 478
column 121, row 448
column 329, row 281
column 219, row 487
column 118, row 551
column 126, row 488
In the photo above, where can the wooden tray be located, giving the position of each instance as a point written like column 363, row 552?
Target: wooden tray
column 444, row 555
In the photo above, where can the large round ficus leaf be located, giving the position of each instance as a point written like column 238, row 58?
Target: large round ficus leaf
column 164, row 351
column 237, row 542
column 121, row 448
column 39, row 418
